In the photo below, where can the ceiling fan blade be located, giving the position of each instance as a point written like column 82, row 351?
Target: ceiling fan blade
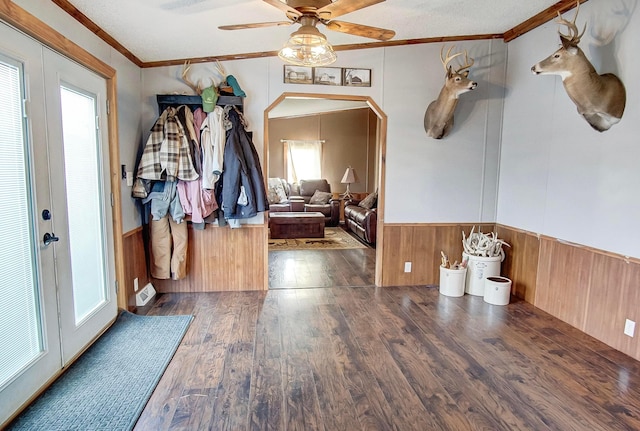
column 254, row 25
column 361, row 30
column 341, row 7
column 291, row 12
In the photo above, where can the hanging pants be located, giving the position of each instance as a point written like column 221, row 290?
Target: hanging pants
column 168, row 248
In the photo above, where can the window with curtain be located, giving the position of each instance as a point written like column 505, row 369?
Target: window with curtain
column 303, row 160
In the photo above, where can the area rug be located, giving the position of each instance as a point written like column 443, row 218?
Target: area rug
column 109, row 385
column 334, row 238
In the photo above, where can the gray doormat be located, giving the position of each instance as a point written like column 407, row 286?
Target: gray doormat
column 109, row 385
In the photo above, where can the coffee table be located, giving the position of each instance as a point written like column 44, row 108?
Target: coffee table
column 284, row 225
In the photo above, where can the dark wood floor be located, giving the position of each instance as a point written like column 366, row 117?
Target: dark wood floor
column 322, row 268
column 405, row 358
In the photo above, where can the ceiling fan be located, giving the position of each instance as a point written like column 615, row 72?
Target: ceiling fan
column 307, row 45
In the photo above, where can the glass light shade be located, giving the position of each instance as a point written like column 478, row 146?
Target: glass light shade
column 307, row 47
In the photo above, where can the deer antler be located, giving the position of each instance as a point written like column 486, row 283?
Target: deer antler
column 446, row 61
column 220, row 69
column 467, row 64
column 574, row 35
column 185, row 71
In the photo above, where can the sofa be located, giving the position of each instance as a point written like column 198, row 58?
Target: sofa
column 283, row 197
column 307, row 196
column 361, row 217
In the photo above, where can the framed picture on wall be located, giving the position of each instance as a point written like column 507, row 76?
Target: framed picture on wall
column 298, row 74
column 356, row 77
column 327, row 75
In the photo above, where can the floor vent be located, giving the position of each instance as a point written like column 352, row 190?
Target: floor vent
column 145, row 295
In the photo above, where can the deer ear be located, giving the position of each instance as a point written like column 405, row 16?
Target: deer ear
column 465, row 73
column 449, row 72
column 566, row 43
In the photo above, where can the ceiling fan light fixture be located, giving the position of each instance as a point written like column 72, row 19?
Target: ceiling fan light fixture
column 308, row 47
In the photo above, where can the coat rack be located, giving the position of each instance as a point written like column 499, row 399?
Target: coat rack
column 195, row 101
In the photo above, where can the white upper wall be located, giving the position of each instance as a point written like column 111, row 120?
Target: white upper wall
column 558, row 176
column 450, row 180
column 128, row 89
column 453, row 179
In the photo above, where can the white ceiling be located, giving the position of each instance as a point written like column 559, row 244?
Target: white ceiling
column 162, row 30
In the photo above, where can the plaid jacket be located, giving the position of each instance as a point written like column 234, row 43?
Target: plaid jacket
column 166, row 155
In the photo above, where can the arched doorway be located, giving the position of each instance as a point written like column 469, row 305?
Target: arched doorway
column 381, row 135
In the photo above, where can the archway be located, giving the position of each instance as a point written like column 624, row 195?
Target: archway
column 381, row 137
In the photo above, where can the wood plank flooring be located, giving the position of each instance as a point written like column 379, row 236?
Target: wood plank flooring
column 322, row 268
column 367, row 358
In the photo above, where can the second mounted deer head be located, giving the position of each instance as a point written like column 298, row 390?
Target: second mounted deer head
column 600, row 99
column 438, row 120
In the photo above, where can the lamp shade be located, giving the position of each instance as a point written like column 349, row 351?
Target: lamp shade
column 349, row 176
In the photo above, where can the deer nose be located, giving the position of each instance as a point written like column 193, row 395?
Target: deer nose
column 474, row 85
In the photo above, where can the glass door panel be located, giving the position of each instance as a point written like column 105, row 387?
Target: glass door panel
column 29, row 333
column 80, row 189
column 83, row 192
column 21, row 335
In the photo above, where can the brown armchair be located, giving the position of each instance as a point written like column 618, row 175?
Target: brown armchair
column 330, row 210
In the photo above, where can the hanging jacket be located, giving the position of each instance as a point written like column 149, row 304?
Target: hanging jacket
column 167, row 155
column 243, row 190
column 185, row 117
column 165, row 200
column 212, row 142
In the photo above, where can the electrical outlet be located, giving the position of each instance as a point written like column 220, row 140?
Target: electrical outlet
column 407, row 267
column 135, row 284
column 629, row 327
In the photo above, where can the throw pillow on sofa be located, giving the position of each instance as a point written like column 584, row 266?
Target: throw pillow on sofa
column 320, row 198
column 370, row 201
column 276, row 193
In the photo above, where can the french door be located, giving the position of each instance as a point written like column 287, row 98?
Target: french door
column 57, row 282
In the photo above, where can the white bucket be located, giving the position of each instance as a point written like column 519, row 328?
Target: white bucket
column 480, row 268
column 497, row 290
column 452, row 281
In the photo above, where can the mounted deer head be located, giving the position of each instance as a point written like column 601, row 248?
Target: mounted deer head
column 438, row 120
column 600, row 99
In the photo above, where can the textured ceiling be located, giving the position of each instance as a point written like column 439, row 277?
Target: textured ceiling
column 162, row 30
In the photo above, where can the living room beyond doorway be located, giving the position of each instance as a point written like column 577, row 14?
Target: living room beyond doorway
column 342, row 134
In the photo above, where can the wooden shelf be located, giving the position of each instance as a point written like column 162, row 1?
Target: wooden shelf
column 194, row 101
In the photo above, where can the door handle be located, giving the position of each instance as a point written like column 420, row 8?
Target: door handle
column 48, row 238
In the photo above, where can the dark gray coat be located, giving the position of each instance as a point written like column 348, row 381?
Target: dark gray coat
column 241, row 171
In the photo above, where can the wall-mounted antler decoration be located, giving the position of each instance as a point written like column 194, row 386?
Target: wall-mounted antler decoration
column 600, row 99
column 438, row 120
column 197, row 87
column 185, row 77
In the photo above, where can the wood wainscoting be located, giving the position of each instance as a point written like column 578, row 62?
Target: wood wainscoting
column 592, row 290
column 219, row 259
column 521, row 261
column 421, row 244
column 223, row 259
column 135, row 264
